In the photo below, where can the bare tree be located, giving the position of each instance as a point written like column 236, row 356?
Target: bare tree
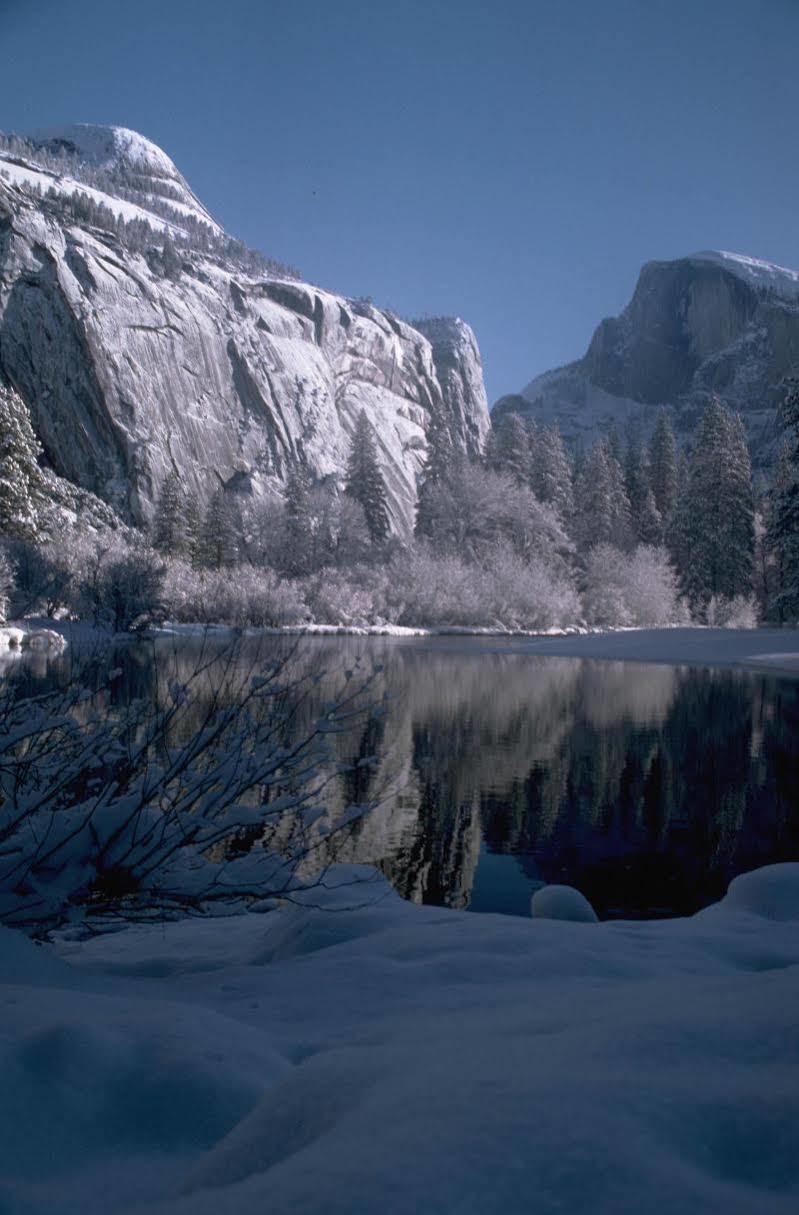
column 214, row 790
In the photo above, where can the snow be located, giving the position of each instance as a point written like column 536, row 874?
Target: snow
column 106, row 146
column 363, row 1054
column 756, row 273
column 28, row 175
column 766, row 649
column 110, row 146
column 562, row 903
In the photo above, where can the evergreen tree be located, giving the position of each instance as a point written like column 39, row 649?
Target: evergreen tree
column 364, row 481
column 663, row 466
column 644, row 514
column 21, row 480
column 603, row 509
column 712, row 534
column 219, row 541
column 298, row 540
column 782, row 535
column 438, row 469
column 508, row 448
column 193, row 528
column 551, row 474
column 169, row 522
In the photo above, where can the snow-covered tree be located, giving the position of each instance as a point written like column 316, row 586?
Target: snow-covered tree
column 644, row 514
column 639, row 588
column 219, row 537
column 170, row 530
column 782, row 534
column 508, row 448
column 6, row 584
column 296, row 558
column 551, row 473
column 712, row 534
column 477, row 509
column 364, row 481
column 602, row 505
column 21, row 480
column 663, row 467
column 441, row 461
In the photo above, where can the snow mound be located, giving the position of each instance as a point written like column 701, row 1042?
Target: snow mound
column 771, row 892
column 422, row 1060
column 562, row 903
column 755, row 272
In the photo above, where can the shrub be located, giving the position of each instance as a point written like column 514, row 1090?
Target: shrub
column 246, row 597
column 637, row 589
column 740, row 612
column 430, row 589
column 353, row 597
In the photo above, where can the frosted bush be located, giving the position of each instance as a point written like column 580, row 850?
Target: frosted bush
column 244, row 597
column 637, row 589
column 739, row 612
column 349, row 598
column 504, row 591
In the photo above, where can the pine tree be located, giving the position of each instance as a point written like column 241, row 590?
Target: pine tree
column 169, row 521
column 712, row 534
column 603, row 509
column 551, row 473
column 298, row 540
column 193, row 525
column 782, row 535
column 663, row 465
column 364, row 481
column 219, row 541
column 644, row 514
column 508, row 448
column 21, row 481
column 437, row 471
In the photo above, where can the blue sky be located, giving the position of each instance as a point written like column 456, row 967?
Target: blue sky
column 514, row 163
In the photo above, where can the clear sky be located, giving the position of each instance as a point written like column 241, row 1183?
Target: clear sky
column 511, row 162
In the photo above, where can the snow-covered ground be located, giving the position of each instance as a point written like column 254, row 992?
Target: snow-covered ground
column 376, row 1056
column 767, row 649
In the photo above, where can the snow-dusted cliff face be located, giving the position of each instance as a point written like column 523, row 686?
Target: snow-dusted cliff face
column 713, row 322
column 135, row 359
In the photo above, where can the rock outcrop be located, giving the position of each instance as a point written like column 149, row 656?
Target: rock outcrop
column 710, row 323
column 133, row 363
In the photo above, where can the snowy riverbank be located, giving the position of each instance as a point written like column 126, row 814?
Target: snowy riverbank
column 767, row 649
column 397, row 1058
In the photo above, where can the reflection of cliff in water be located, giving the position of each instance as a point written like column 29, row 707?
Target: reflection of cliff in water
column 646, row 786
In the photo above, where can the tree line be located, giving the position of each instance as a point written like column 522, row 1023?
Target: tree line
column 526, row 537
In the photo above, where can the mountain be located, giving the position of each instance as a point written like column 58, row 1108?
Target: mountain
column 710, row 323
column 145, row 338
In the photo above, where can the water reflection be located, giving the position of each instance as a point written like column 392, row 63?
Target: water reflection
column 647, row 787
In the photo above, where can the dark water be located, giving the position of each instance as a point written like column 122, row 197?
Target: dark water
column 646, row 787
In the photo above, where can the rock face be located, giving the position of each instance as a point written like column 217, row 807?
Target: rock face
column 132, row 366
column 710, row 323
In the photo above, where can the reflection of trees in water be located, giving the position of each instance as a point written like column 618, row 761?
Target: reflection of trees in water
column 646, row 786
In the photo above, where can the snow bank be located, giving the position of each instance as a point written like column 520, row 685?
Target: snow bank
column 562, row 903
column 362, row 1054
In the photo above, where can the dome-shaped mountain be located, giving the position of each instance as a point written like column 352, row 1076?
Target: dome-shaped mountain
column 127, row 158
column 145, row 339
column 713, row 322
